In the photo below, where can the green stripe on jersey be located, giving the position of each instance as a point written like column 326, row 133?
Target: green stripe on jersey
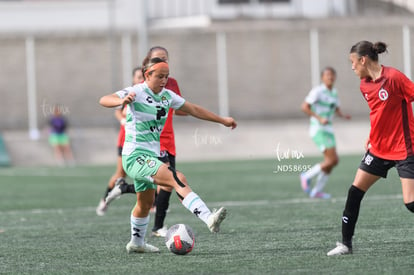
column 146, row 117
column 324, row 103
column 148, row 137
column 150, row 125
column 145, row 108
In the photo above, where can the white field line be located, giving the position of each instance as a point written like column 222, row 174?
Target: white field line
column 213, row 204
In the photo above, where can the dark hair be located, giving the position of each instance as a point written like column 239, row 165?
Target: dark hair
column 366, row 48
column 328, row 68
column 153, row 49
column 134, row 70
column 149, row 63
column 156, row 48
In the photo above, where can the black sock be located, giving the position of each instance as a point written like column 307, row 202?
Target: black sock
column 350, row 214
column 127, row 188
column 155, row 198
column 108, row 189
column 162, row 203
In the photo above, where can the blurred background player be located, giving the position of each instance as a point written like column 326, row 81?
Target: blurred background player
column 321, row 105
column 119, row 176
column 58, row 137
column 151, row 103
column 167, row 152
column 389, row 94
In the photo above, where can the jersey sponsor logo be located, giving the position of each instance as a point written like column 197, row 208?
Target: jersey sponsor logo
column 154, row 129
column 383, row 94
column 160, row 112
column 149, row 99
column 368, row 159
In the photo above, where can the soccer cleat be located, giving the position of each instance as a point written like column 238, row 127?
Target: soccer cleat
column 101, row 209
column 305, row 183
column 162, row 232
column 116, row 192
column 215, row 219
column 320, row 195
column 340, row 249
column 145, row 248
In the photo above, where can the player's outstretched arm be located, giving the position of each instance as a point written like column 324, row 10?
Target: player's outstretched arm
column 113, row 100
column 204, row 114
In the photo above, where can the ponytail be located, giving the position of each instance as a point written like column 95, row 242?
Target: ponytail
column 366, row 48
column 379, row 47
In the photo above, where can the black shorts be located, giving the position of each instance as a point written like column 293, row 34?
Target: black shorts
column 167, row 157
column 379, row 167
column 120, row 151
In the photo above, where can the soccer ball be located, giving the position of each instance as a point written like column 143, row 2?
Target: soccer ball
column 180, row 239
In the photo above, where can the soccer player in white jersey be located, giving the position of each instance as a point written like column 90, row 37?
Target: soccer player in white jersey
column 321, row 105
column 147, row 108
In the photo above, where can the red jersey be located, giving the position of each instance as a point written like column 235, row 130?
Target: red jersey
column 121, row 136
column 392, row 122
column 167, row 139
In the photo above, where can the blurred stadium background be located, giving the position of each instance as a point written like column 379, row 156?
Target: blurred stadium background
column 253, row 59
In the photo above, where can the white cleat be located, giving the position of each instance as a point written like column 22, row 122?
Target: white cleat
column 162, row 232
column 146, row 248
column 215, row 219
column 101, row 209
column 116, row 192
column 340, row 249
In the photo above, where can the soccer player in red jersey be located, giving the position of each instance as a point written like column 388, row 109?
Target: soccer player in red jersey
column 389, row 94
column 119, row 175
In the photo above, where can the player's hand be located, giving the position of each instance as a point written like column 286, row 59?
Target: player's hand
column 229, row 122
column 367, row 145
column 129, row 98
column 323, row 121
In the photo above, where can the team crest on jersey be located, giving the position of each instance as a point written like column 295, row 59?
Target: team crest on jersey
column 151, row 163
column 164, row 101
column 383, row 94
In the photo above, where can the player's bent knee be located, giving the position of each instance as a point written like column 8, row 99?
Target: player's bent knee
column 410, row 206
column 178, row 177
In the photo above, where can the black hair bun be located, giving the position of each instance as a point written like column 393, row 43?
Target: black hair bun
column 379, row 47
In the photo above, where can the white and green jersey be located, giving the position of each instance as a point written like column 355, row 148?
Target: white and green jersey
column 324, row 103
column 146, row 117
